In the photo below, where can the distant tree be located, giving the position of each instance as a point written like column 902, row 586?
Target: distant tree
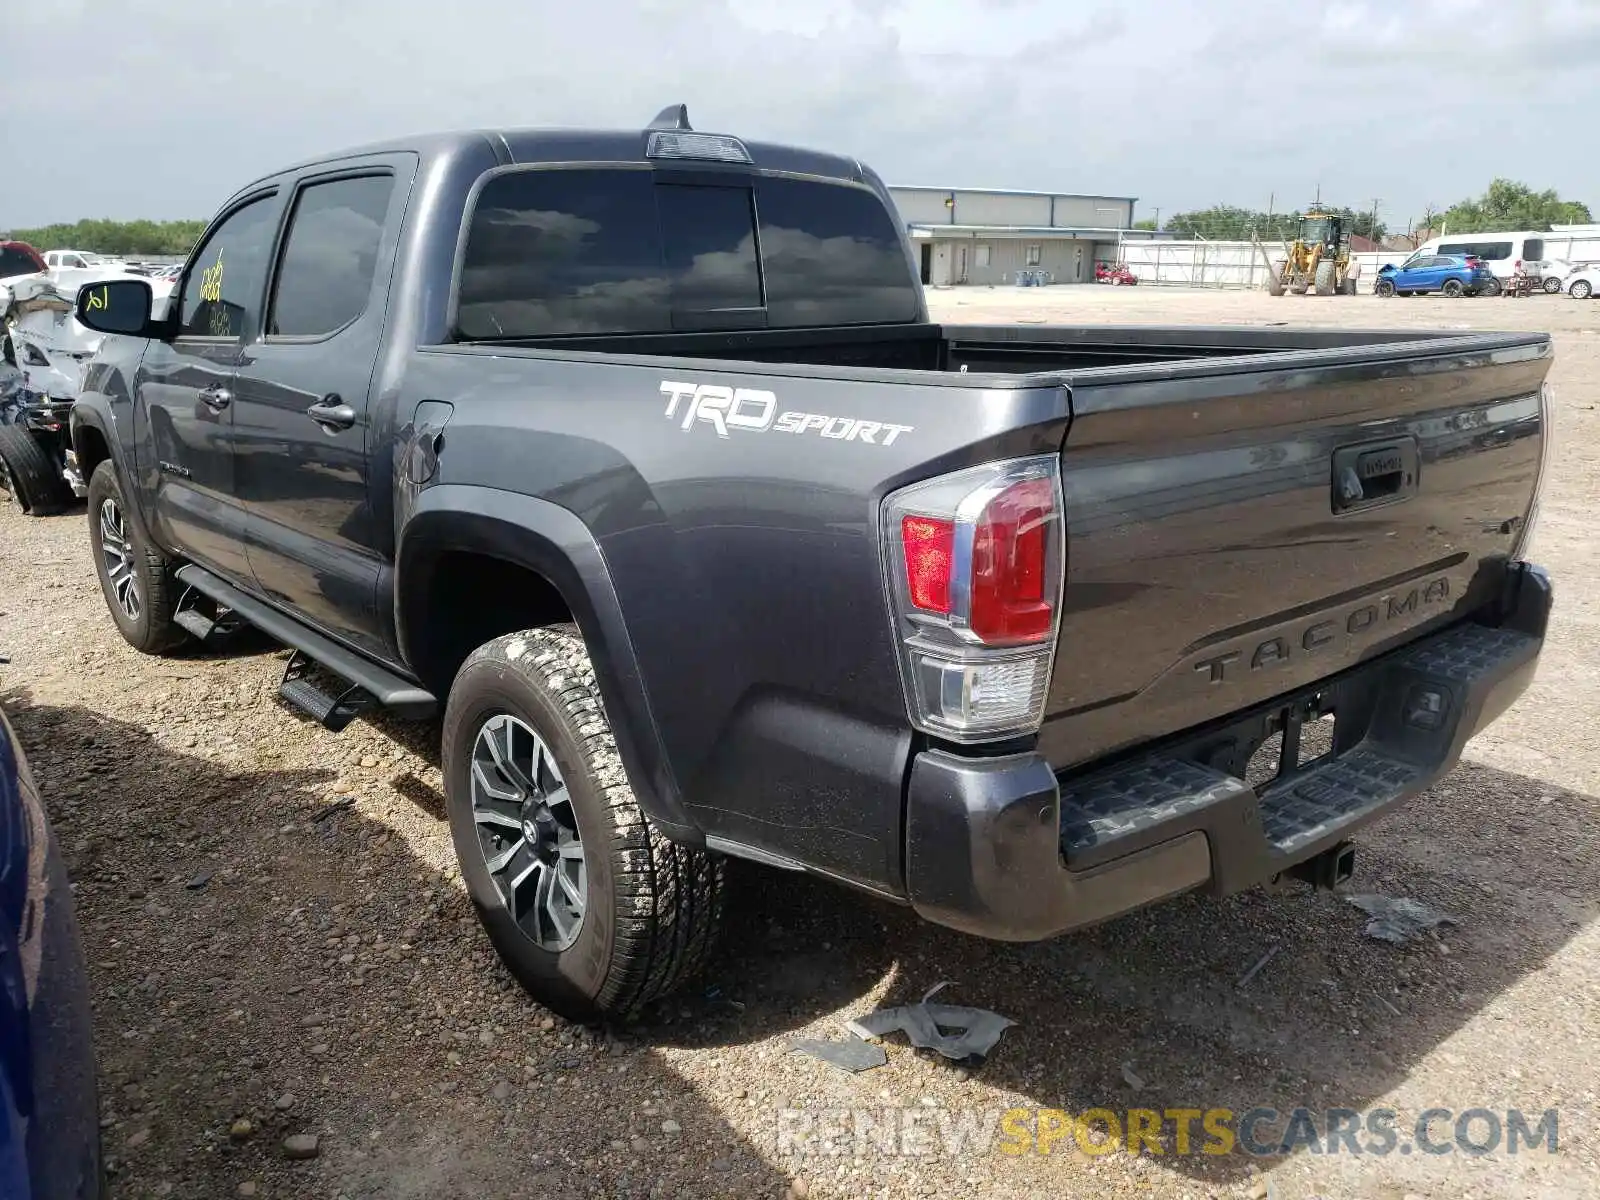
column 118, row 238
column 1511, row 205
column 1147, row 223
column 1226, row 222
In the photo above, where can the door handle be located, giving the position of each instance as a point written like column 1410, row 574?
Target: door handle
column 216, row 397
column 332, row 413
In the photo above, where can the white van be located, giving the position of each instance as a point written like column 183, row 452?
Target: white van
column 1500, row 252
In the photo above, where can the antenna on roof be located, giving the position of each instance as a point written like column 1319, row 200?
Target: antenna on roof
column 673, row 116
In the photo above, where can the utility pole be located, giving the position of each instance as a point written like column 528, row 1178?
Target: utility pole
column 1374, row 227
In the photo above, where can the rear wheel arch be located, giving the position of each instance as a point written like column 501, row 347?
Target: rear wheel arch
column 462, row 541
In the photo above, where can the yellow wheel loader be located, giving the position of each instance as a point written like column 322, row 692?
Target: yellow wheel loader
column 1318, row 261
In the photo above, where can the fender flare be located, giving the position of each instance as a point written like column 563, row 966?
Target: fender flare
column 91, row 410
column 553, row 542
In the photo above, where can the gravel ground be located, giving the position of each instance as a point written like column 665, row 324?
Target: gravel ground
column 284, row 962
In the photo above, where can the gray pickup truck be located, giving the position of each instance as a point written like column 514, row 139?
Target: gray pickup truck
column 635, row 454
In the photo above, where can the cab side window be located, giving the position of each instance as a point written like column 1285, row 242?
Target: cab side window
column 222, row 292
column 330, row 256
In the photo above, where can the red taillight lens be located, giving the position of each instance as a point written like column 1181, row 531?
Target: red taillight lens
column 930, row 544
column 975, row 559
column 1009, row 603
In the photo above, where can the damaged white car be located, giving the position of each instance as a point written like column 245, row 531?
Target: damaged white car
column 45, row 351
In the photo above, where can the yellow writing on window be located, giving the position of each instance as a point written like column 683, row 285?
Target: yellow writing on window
column 211, row 281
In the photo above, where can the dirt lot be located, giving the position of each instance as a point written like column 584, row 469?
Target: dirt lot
column 258, row 958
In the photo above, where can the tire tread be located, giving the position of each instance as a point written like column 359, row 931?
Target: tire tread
column 41, row 493
column 668, row 896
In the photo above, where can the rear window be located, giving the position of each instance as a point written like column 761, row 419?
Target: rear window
column 590, row 251
column 16, row 261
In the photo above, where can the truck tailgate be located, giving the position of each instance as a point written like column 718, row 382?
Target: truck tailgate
column 1240, row 528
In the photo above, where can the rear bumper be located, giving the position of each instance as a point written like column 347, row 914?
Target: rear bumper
column 1004, row 848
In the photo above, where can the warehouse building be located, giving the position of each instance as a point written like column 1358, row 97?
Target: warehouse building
column 987, row 235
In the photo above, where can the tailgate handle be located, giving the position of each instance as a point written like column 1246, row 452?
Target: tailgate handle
column 1373, row 473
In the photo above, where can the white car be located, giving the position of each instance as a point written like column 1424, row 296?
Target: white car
column 1553, row 274
column 1583, row 283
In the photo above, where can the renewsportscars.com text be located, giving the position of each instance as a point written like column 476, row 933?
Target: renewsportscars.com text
column 922, row 1131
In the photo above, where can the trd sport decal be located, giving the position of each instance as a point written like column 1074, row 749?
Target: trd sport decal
column 756, row 411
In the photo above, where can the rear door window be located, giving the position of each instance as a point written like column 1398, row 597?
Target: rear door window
column 330, row 256
column 560, row 252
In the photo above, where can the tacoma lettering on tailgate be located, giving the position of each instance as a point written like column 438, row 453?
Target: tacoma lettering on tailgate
column 1325, row 632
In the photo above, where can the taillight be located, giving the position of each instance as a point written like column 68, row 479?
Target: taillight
column 975, row 561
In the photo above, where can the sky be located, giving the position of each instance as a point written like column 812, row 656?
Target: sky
column 140, row 108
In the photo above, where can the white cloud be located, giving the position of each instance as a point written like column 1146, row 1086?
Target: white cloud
column 161, row 108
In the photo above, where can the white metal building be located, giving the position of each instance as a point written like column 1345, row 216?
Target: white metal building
column 986, row 235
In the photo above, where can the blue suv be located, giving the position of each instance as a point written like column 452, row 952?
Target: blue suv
column 1452, row 274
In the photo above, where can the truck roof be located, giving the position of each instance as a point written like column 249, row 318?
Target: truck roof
column 557, row 144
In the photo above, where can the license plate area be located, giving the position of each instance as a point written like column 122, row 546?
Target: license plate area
column 1280, row 743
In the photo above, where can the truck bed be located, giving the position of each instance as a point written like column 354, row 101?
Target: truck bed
column 990, row 349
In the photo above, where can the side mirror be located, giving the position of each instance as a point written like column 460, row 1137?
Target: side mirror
column 116, row 306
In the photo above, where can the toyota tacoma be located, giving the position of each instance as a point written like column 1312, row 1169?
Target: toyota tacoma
column 635, row 458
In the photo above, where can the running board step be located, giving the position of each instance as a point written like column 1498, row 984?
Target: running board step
column 211, row 628
column 393, row 692
column 332, row 712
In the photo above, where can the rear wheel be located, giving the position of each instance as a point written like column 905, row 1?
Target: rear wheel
column 590, row 907
column 1453, row 288
column 1385, row 287
column 136, row 579
column 28, row 476
column 1491, row 288
column 1581, row 289
column 1275, row 280
column 1326, row 277
column 1552, row 286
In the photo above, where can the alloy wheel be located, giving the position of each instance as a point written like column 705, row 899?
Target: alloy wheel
column 116, row 555
column 528, row 832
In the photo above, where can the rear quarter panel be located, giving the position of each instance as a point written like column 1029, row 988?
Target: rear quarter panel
column 745, row 561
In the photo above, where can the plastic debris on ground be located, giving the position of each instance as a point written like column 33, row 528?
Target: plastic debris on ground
column 852, row 1054
column 1398, row 919
column 963, row 1034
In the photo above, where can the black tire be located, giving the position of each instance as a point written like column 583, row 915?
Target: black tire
column 1490, row 289
column 653, row 907
column 150, row 628
column 1275, row 279
column 1581, row 289
column 1454, row 289
column 1326, row 278
column 28, row 476
column 1384, row 287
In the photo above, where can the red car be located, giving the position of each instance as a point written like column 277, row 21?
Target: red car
column 1115, row 274
column 18, row 258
